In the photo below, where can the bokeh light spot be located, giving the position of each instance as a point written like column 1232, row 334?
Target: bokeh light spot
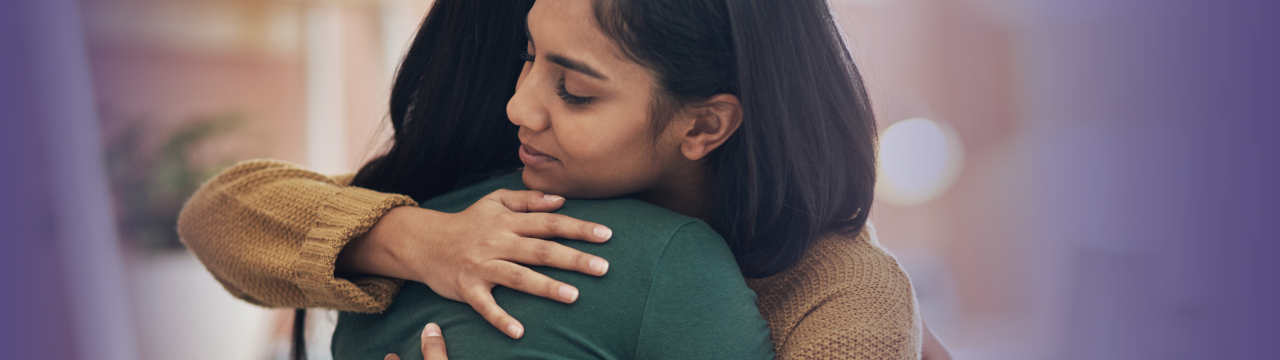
column 919, row 159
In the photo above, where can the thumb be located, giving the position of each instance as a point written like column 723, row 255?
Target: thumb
column 391, row 357
column 433, row 343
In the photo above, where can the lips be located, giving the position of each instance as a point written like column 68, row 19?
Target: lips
column 532, row 157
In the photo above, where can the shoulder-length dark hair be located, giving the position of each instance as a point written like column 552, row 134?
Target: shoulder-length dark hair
column 803, row 162
column 801, row 165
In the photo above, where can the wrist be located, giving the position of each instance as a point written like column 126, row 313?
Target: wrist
column 380, row 250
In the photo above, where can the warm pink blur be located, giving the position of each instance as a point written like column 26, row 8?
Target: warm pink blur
column 308, row 81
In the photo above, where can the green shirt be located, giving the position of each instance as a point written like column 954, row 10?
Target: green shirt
column 673, row 291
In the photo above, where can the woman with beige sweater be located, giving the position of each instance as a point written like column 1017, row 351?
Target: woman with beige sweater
column 278, row 235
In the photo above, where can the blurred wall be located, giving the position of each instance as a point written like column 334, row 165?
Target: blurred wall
column 301, row 81
column 954, row 62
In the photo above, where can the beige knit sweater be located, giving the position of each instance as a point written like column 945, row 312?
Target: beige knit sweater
column 270, row 232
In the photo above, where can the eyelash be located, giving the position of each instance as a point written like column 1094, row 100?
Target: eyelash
column 570, row 98
column 560, row 90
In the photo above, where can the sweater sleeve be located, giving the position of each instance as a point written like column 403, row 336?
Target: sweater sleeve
column 848, row 298
column 830, row 332
column 270, row 232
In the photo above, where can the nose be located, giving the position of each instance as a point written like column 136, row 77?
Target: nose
column 524, row 108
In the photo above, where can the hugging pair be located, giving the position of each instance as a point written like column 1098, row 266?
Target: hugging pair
column 719, row 158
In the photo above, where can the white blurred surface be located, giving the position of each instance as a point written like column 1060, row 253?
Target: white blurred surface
column 183, row 313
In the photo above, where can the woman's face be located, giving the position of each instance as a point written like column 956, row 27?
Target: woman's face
column 583, row 110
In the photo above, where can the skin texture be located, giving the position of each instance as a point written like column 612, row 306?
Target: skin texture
column 587, row 108
column 463, row 256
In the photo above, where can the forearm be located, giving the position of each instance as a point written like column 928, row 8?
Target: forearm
column 382, row 250
column 270, row 232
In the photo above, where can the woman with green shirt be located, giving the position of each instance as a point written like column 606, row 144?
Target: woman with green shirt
column 588, row 128
column 746, row 115
column 647, row 307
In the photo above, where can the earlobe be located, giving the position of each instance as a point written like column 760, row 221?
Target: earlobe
column 714, row 121
column 693, row 150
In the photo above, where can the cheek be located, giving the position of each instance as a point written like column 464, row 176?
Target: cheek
column 608, row 154
column 605, row 144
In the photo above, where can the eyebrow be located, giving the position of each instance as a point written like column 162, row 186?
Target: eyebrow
column 575, row 65
column 565, row 62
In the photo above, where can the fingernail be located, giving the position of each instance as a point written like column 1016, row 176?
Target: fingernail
column 603, row 232
column 552, row 198
column 515, row 330
column 568, row 293
column 600, row 266
column 432, row 330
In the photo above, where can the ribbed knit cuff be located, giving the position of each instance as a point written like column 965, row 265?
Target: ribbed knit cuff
column 342, row 216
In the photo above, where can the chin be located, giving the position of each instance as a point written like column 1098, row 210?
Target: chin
column 536, row 180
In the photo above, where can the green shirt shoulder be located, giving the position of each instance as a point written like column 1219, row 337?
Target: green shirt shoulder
column 673, row 291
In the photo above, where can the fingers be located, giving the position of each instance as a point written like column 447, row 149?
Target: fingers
column 480, row 299
column 522, row 279
column 391, row 357
column 527, row 201
column 541, row 225
column 545, row 226
column 549, row 253
column 433, row 343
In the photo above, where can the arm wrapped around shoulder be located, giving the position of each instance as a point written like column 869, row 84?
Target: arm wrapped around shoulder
column 846, row 299
column 843, row 328
column 270, row 232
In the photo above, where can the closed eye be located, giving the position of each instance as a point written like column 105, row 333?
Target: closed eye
column 570, row 98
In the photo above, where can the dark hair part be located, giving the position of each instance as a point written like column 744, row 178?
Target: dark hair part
column 803, row 162
column 448, row 106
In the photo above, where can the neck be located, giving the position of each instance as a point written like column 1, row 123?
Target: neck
column 683, row 191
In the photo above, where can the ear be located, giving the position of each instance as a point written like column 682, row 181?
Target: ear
column 713, row 121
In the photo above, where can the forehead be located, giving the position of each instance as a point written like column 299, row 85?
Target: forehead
column 568, row 28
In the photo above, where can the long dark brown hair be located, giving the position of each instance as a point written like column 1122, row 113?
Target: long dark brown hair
column 803, row 162
column 448, row 106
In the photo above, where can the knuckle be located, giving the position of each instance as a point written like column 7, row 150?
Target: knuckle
column 487, row 243
column 553, row 222
column 503, row 217
column 468, row 297
column 482, row 305
column 489, row 310
column 516, row 277
column 433, row 343
column 543, row 251
column 552, row 287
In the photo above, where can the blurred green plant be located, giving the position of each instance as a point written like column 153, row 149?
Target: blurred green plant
column 151, row 184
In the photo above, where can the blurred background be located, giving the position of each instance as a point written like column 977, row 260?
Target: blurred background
column 1061, row 179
